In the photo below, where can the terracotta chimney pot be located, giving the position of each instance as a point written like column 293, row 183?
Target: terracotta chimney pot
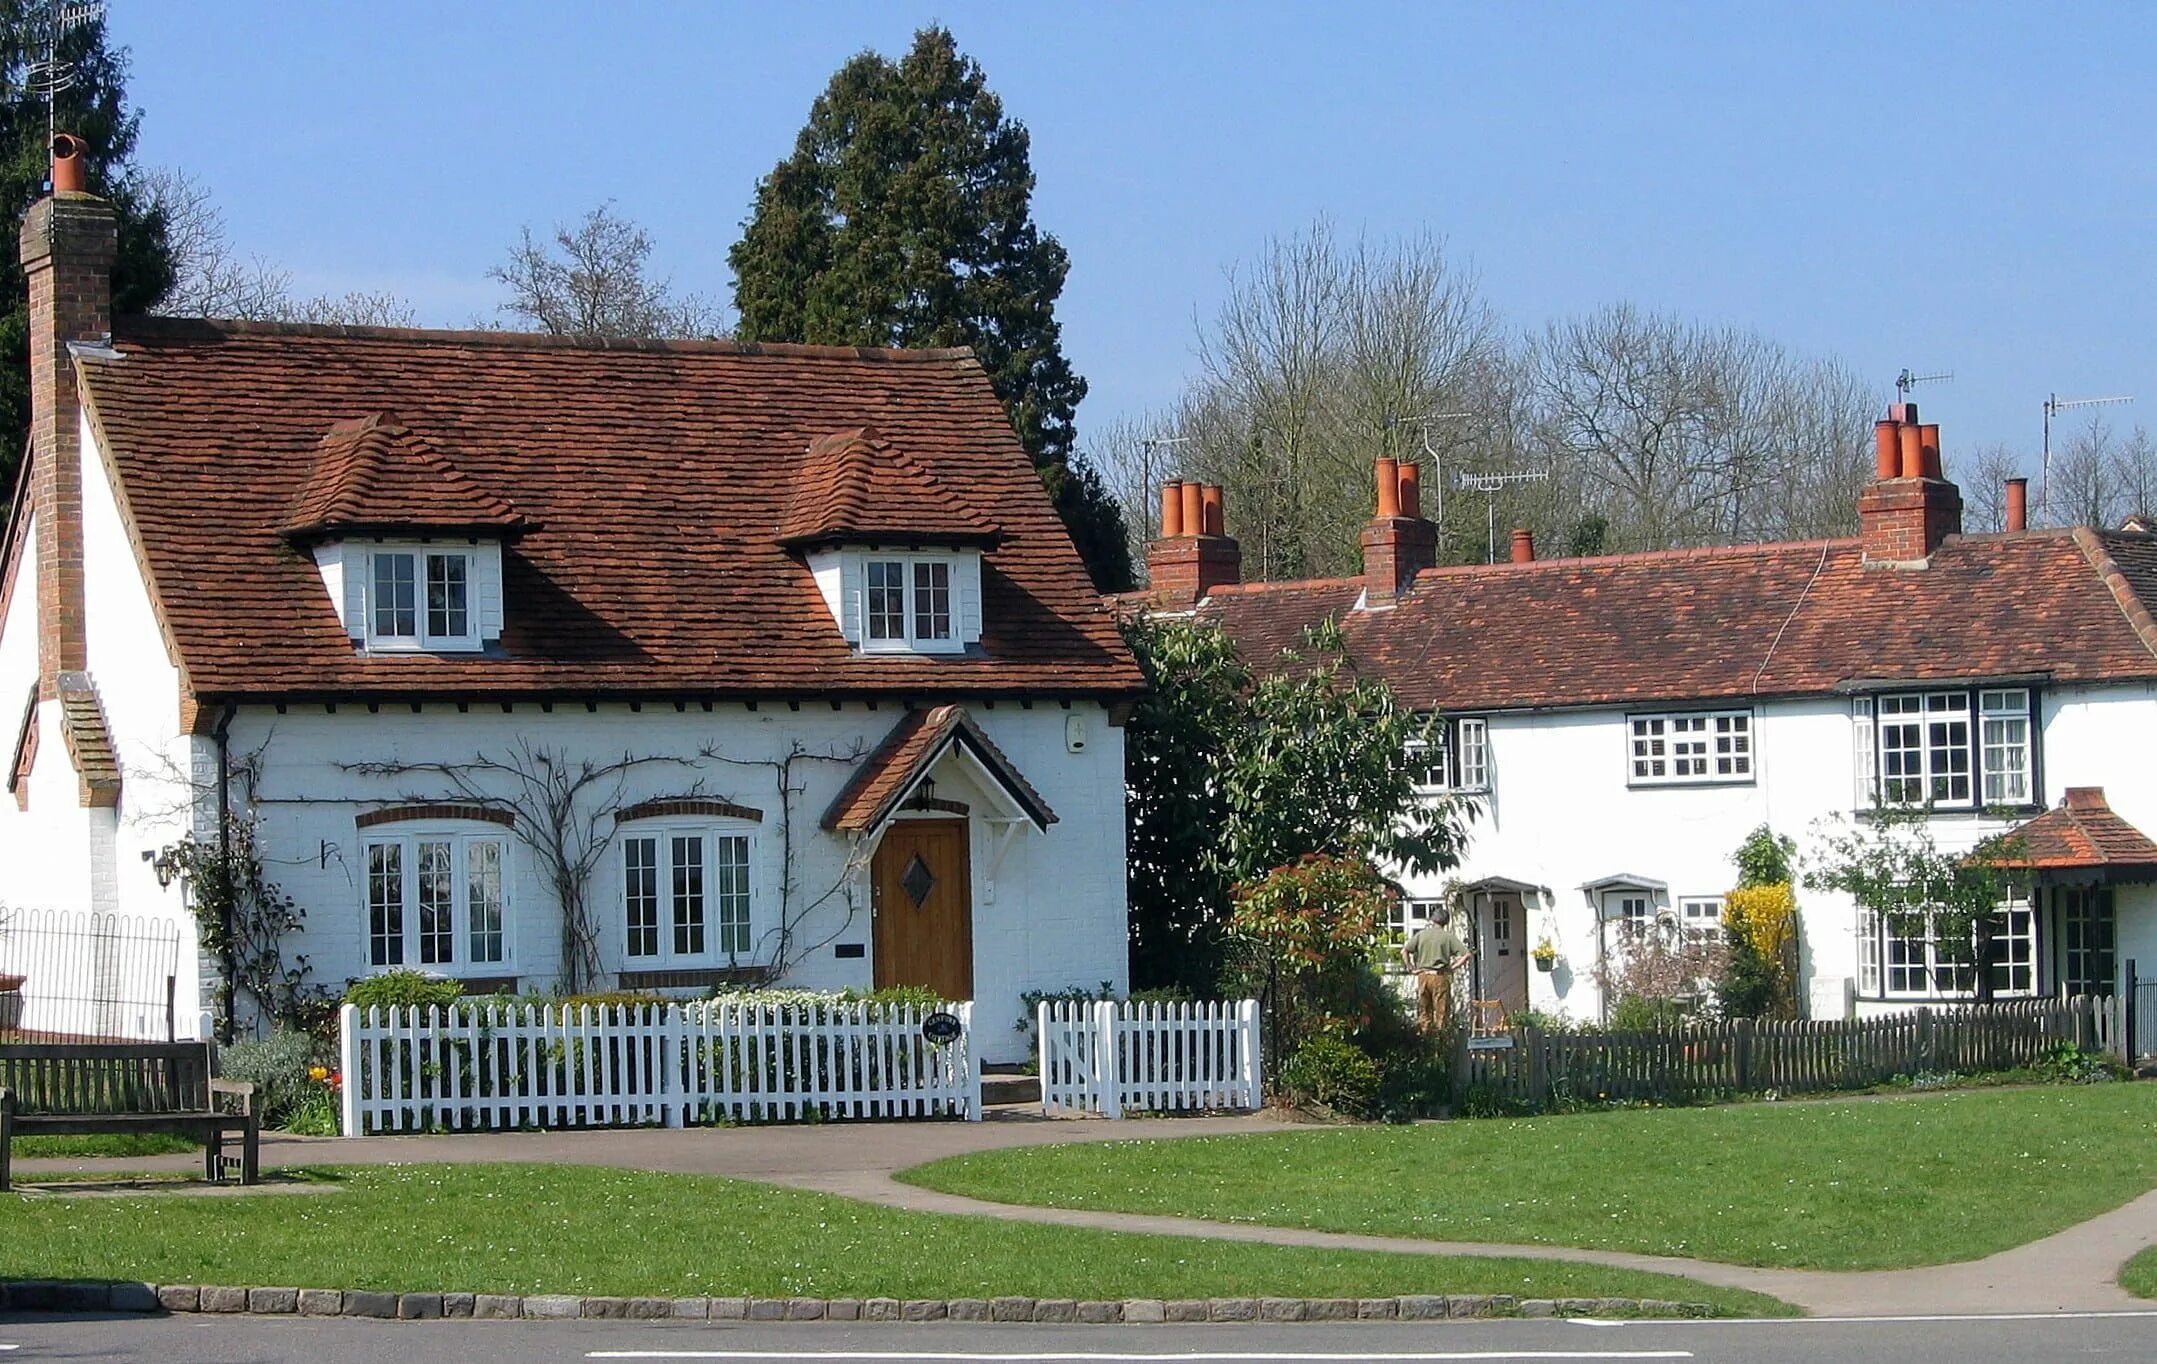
column 1389, row 489
column 1887, row 450
column 1209, row 500
column 2018, row 504
column 69, row 173
column 1171, row 510
column 1912, row 440
column 1194, row 510
column 1523, row 546
column 1411, row 482
column 1928, row 442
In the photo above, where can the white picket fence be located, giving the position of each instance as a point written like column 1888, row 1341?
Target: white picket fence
column 496, row 1066
column 1111, row 1058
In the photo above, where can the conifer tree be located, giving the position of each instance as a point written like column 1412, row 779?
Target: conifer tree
column 903, row 218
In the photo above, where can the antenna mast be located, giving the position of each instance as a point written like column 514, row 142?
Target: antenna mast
column 2055, row 403
column 1906, row 380
column 1423, row 425
column 49, row 77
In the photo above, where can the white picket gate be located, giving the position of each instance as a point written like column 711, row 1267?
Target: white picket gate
column 494, row 1066
column 1153, row 1056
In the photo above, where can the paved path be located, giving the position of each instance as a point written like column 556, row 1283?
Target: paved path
column 2070, row 1271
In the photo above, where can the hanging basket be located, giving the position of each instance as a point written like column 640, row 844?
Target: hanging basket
column 1546, row 964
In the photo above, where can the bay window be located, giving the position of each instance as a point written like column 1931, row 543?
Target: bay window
column 686, row 895
column 1959, row 749
column 1906, row 956
column 436, row 899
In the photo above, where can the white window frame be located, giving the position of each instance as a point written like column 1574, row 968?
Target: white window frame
column 727, row 942
column 1995, row 763
column 1618, row 907
column 1405, row 912
column 913, row 639
column 465, row 930
column 1457, row 753
column 1895, row 965
column 1700, row 917
column 422, row 637
column 1691, row 748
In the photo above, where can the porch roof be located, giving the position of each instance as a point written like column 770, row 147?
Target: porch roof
column 2081, row 834
column 913, row 748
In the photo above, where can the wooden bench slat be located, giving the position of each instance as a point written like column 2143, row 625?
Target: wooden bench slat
column 78, row 1088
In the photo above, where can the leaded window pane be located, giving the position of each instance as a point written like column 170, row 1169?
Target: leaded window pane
column 396, row 614
column 483, row 898
column 385, row 904
column 932, row 600
column 730, row 893
column 887, row 599
column 640, row 862
column 436, row 895
column 688, row 898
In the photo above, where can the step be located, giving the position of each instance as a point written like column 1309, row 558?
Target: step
column 1010, row 1089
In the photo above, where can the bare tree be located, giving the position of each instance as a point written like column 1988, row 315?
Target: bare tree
column 2136, row 467
column 2085, row 487
column 1982, row 475
column 211, row 279
column 590, row 281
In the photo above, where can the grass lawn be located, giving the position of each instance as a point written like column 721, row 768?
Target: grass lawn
column 1866, row 1184
column 2139, row 1275
column 566, row 1229
column 106, row 1144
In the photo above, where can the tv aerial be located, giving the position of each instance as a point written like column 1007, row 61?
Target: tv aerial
column 49, row 77
column 2055, row 404
column 1423, row 425
column 1490, row 485
column 1908, row 380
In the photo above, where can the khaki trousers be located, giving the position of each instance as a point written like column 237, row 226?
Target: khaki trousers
column 1434, row 1000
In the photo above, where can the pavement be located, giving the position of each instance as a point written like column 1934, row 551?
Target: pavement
column 2072, row 1271
column 1931, row 1340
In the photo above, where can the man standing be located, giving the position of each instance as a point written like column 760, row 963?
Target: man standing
column 1434, row 952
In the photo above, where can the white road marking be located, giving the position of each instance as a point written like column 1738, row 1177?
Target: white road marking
column 1292, row 1357
column 1853, row 1321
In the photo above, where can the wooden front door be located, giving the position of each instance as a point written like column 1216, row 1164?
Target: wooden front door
column 921, row 893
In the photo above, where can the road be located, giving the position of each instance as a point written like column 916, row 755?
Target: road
column 234, row 1340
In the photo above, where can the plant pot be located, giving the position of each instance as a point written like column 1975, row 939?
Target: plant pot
column 1546, row 964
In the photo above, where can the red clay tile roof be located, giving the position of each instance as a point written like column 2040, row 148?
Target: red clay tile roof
column 853, row 486
column 914, row 746
column 657, row 474
column 2083, row 832
column 375, row 474
column 1781, row 619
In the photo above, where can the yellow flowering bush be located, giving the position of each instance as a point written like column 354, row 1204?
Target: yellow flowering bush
column 1764, row 916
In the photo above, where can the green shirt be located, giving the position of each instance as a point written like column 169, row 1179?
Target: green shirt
column 1435, row 948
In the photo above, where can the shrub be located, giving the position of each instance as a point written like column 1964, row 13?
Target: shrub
column 278, row 1066
column 1414, row 1080
column 1641, row 1013
column 1331, row 1074
column 1763, row 859
column 403, row 989
column 1310, row 930
column 2067, row 1064
column 1760, row 922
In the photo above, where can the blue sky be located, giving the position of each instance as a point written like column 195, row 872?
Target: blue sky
column 1958, row 187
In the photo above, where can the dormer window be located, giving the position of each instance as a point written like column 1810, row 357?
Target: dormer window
column 420, row 599
column 907, row 603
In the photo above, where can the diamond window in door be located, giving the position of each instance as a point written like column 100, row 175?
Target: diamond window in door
column 917, row 881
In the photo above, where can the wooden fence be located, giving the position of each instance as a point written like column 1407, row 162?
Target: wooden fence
column 1743, row 1056
column 1108, row 1058
column 502, row 1065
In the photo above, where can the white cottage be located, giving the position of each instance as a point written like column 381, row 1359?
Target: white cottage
column 770, row 663
column 1625, row 721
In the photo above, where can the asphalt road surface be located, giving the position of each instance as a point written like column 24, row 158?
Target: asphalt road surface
column 244, row 1340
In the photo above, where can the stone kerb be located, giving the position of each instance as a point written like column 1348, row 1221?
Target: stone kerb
column 70, row 1296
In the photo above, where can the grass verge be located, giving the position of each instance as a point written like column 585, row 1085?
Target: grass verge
column 2139, row 1275
column 566, row 1229
column 1870, row 1184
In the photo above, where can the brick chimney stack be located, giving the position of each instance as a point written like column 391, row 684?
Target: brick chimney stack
column 1194, row 554
column 1910, row 506
column 69, row 240
column 1398, row 543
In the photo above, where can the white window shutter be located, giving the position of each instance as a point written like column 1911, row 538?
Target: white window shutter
column 487, row 583
column 358, row 567
column 969, row 598
column 850, row 606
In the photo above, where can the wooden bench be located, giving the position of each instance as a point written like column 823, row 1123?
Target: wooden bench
column 74, row 1088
